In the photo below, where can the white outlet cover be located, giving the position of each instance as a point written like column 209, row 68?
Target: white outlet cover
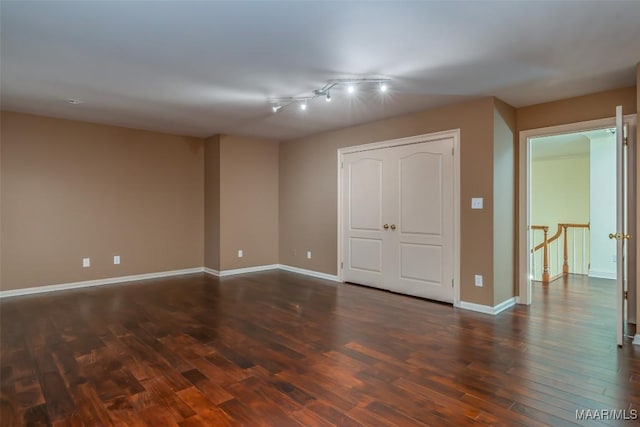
column 240, row 253
column 86, row 262
column 478, row 280
column 477, row 202
column 308, row 254
column 116, row 259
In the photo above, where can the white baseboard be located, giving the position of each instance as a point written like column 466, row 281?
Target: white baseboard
column 486, row 308
column 288, row 268
column 311, row 273
column 225, row 273
column 98, row 282
column 636, row 339
column 211, row 271
column 602, row 274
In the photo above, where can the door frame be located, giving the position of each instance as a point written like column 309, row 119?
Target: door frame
column 430, row 137
column 524, row 188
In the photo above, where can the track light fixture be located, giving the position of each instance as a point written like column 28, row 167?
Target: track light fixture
column 278, row 104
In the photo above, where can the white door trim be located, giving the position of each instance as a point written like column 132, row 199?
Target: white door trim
column 524, row 186
column 453, row 134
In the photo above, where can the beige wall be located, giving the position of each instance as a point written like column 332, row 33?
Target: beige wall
column 72, row 190
column 308, row 189
column 573, row 110
column 212, row 203
column 248, row 202
column 504, row 134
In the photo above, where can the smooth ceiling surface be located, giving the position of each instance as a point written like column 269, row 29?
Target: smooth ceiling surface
column 207, row 67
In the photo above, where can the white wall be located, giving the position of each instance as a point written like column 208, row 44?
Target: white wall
column 603, row 203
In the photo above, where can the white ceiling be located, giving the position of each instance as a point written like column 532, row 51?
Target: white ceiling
column 208, row 67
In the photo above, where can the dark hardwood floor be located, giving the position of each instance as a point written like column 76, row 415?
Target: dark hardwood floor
column 279, row 349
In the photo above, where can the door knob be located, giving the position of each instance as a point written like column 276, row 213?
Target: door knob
column 619, row 236
column 393, row 226
column 386, row 226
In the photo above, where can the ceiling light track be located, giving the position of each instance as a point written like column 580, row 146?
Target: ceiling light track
column 278, row 104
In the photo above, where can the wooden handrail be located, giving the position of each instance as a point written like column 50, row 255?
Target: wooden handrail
column 558, row 233
column 551, row 240
column 546, row 242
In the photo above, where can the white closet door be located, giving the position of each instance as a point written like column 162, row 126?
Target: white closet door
column 398, row 219
column 424, row 212
column 365, row 189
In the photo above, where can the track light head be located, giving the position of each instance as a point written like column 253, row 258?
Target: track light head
column 324, row 92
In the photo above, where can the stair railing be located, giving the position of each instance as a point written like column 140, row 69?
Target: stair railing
column 551, row 264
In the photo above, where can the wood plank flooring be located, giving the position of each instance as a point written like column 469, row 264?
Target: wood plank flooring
column 280, row 349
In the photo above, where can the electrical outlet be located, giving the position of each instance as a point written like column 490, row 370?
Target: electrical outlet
column 478, row 280
column 86, row 262
column 477, row 202
column 308, row 254
column 116, row 259
column 240, row 253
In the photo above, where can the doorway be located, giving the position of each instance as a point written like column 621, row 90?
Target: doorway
column 525, row 276
column 573, row 205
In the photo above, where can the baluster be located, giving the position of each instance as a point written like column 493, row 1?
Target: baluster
column 565, row 265
column 585, row 254
column 545, row 254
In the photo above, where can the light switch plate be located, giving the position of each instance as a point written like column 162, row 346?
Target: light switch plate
column 240, row 253
column 116, row 259
column 477, row 202
column 86, row 262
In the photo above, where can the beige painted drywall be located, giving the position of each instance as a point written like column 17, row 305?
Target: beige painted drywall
column 579, row 109
column 212, row 203
column 504, row 143
column 248, row 202
column 308, row 189
column 72, row 190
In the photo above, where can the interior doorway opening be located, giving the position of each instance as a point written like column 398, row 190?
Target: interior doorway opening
column 573, row 205
column 625, row 210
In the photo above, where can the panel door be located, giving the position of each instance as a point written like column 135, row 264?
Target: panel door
column 424, row 213
column 366, row 250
